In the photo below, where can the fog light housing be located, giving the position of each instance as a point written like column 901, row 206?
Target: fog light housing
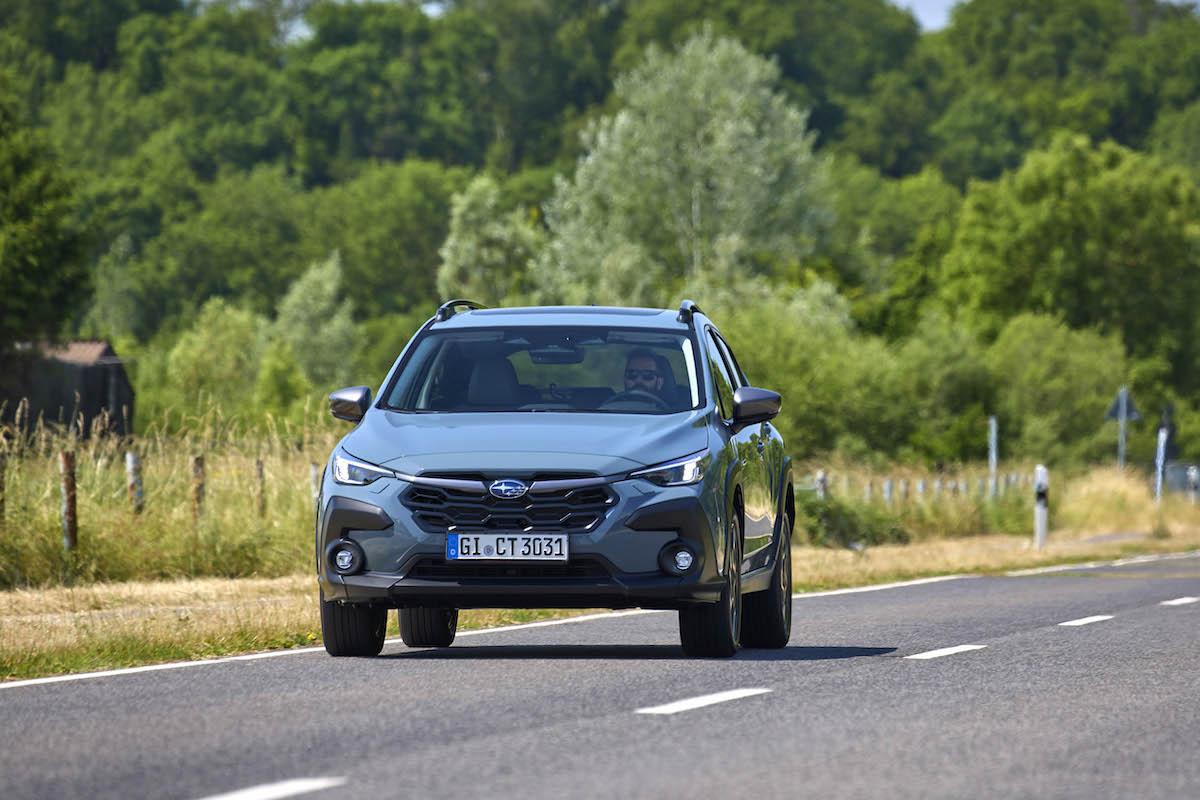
column 678, row 559
column 345, row 556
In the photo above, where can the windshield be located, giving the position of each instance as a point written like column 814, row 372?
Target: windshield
column 591, row 369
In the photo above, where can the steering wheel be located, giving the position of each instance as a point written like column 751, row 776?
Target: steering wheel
column 639, row 396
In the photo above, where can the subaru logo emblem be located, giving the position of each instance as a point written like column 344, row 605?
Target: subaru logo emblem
column 508, row 489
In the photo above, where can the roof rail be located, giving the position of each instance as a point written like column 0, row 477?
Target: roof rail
column 446, row 310
column 686, row 309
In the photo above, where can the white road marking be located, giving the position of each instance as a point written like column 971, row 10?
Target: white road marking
column 948, row 651
column 702, row 701
column 274, row 791
column 81, row 676
column 547, row 623
column 881, row 586
column 1180, row 601
column 1074, row 623
column 1120, row 562
column 109, row 673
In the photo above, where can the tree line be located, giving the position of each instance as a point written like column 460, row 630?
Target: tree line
column 904, row 232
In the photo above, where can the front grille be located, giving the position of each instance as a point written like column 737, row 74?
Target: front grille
column 435, row 569
column 439, row 510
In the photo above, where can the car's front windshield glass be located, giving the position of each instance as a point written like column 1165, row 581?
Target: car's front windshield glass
column 567, row 369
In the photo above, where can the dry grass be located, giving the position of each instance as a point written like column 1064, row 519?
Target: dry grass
column 1101, row 503
column 103, row 626
column 156, row 586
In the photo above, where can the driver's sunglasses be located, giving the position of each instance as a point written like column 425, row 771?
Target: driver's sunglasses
column 641, row 375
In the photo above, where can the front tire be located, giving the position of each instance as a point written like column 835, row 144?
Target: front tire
column 768, row 622
column 349, row 630
column 428, row 627
column 714, row 630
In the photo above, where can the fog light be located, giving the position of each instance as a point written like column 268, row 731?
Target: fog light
column 678, row 559
column 346, row 557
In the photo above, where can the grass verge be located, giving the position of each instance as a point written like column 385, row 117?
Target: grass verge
column 105, row 626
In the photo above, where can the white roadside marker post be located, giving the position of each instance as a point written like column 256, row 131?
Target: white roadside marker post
column 1193, row 478
column 1041, row 506
column 993, row 456
column 1160, row 463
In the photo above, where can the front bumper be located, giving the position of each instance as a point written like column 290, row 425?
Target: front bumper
column 614, row 566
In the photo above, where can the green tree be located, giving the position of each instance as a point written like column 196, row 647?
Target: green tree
column 705, row 156
column 77, row 30
column 488, row 249
column 318, row 325
column 827, row 51
column 1176, row 136
column 214, row 363
column 281, row 388
column 1053, row 387
column 43, row 276
column 1099, row 236
column 388, row 223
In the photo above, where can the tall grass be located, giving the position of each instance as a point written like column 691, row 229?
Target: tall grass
column 230, row 538
column 855, row 511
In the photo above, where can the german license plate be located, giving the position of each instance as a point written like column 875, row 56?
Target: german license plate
column 506, row 547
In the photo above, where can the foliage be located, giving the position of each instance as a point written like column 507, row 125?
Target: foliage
column 1099, row 236
column 896, row 198
column 317, row 326
column 487, row 252
column 1053, row 386
column 214, row 362
column 42, row 272
column 705, row 167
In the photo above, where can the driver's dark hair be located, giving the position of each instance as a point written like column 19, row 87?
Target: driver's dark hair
column 642, row 352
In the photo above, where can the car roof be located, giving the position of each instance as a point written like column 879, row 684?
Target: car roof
column 609, row 316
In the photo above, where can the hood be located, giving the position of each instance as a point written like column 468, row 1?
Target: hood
column 598, row 443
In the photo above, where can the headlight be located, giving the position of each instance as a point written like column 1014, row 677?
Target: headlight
column 357, row 473
column 680, row 472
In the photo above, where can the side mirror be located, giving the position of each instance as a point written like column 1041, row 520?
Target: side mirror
column 350, row 404
column 752, row 405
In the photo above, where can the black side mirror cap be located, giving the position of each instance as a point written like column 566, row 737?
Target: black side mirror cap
column 752, row 405
column 350, row 404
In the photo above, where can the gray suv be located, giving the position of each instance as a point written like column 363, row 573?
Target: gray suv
column 558, row 457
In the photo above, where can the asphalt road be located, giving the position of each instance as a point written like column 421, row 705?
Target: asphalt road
column 1107, row 708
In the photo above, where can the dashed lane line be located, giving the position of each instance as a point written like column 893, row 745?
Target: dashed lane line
column 702, row 701
column 947, row 651
column 1180, row 601
column 1075, row 623
column 277, row 791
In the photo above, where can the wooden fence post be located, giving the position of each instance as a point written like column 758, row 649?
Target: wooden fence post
column 260, row 484
column 70, row 522
column 133, row 477
column 197, row 486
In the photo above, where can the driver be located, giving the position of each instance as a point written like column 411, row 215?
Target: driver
column 642, row 373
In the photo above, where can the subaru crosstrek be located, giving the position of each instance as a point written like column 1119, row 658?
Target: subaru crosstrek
column 558, row 457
